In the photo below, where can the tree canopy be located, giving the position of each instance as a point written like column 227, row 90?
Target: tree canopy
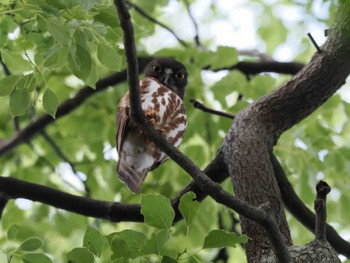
column 63, row 73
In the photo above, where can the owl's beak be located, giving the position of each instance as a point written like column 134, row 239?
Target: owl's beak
column 167, row 80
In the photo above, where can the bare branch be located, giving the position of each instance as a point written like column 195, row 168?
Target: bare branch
column 153, row 20
column 196, row 37
column 60, row 153
column 320, row 206
column 115, row 212
column 255, row 53
column 201, row 179
column 252, row 68
column 200, row 106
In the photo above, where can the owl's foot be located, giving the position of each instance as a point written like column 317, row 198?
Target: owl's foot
column 151, row 116
column 161, row 132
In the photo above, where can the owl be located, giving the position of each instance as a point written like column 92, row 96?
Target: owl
column 161, row 91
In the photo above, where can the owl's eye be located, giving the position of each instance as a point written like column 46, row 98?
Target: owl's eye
column 156, row 69
column 179, row 75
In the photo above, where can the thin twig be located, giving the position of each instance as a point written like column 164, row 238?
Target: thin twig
column 6, row 69
column 198, row 105
column 60, row 153
column 256, row 53
column 153, row 20
column 196, row 37
column 314, row 43
column 320, row 206
column 3, row 202
column 201, row 179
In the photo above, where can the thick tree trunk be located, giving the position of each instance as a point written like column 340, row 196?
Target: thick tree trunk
column 249, row 143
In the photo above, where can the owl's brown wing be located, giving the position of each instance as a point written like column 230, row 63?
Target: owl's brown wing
column 137, row 154
column 122, row 120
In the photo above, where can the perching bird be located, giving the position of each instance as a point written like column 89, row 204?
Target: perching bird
column 162, row 91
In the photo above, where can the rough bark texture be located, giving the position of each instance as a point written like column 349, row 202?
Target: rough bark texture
column 256, row 129
column 315, row 251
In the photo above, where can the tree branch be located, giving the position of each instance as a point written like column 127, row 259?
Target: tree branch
column 115, row 212
column 198, row 105
column 322, row 189
column 291, row 200
column 252, row 68
column 196, row 30
column 153, row 20
column 302, row 213
column 201, row 179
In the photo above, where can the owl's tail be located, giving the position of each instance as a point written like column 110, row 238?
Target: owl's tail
column 130, row 176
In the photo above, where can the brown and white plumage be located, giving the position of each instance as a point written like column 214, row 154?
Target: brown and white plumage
column 161, row 93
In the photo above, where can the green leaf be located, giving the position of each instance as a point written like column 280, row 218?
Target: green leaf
column 108, row 56
column 120, row 248
column 188, row 207
column 12, row 232
column 107, row 16
column 134, row 239
column 50, row 102
column 220, row 239
column 226, row 56
column 155, row 244
column 58, row 30
column 93, row 241
column 88, row 4
column 31, row 244
column 167, row 259
column 15, row 62
column 8, row 84
column 56, row 59
column 80, row 255
column 157, row 211
column 92, row 78
column 79, row 62
column 36, row 258
column 27, row 82
column 19, row 102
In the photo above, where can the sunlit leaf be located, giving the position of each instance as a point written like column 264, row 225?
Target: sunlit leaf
column 19, row 102
column 15, row 62
column 108, row 56
column 50, row 102
column 31, row 244
column 8, row 84
column 188, row 207
column 12, row 232
column 36, row 258
column 155, row 244
column 157, row 211
column 79, row 62
column 120, row 248
column 93, row 241
column 58, row 30
column 220, row 239
column 80, row 255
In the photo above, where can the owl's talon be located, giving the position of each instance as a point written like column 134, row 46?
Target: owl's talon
column 152, row 122
column 151, row 114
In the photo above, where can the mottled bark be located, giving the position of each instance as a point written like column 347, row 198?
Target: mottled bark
column 249, row 143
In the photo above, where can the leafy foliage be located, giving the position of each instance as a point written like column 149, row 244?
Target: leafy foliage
column 51, row 49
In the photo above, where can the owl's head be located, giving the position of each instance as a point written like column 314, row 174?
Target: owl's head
column 170, row 73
